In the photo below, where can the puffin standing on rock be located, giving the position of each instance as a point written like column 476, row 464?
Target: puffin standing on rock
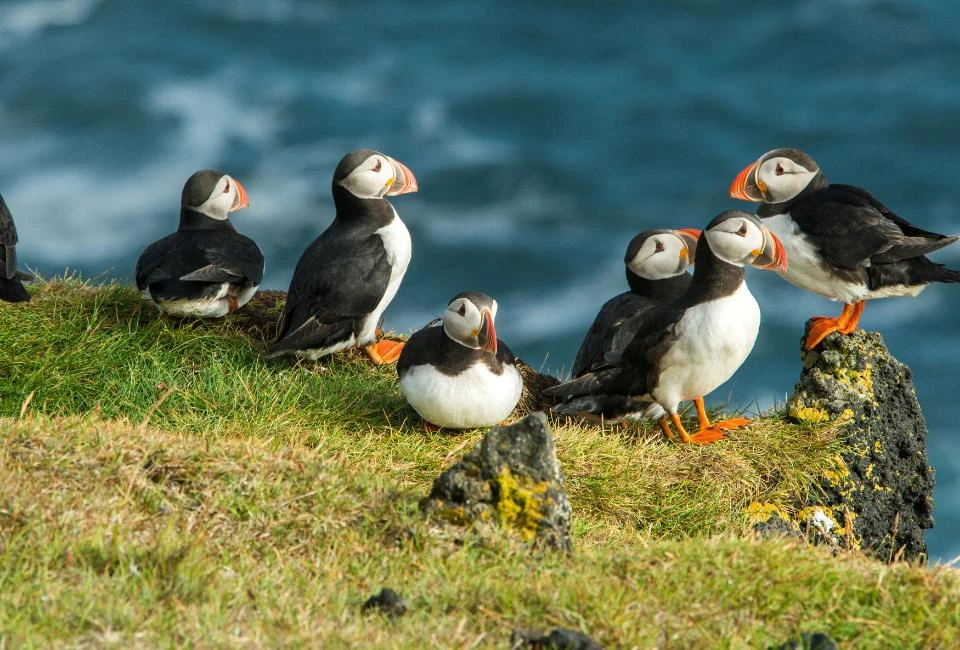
column 460, row 375
column 206, row 268
column 843, row 243
column 11, row 287
column 686, row 348
column 656, row 266
column 347, row 277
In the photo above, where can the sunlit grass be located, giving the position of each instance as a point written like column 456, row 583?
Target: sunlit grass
column 169, row 486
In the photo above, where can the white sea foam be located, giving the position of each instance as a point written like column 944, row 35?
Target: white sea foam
column 23, row 19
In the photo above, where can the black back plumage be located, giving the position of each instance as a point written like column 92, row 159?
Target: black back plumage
column 196, row 260
column 635, row 370
column 861, row 240
column 11, row 287
column 341, row 276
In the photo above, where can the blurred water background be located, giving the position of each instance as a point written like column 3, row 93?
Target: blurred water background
column 543, row 135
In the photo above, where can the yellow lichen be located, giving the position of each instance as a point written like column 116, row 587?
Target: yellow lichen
column 809, row 414
column 840, row 475
column 758, row 513
column 520, row 503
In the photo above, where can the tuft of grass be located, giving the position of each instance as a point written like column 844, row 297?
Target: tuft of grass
column 168, row 486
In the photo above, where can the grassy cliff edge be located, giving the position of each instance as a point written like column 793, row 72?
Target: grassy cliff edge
column 163, row 484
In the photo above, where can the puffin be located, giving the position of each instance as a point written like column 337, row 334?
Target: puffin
column 11, row 286
column 347, row 276
column 206, row 268
column 656, row 264
column 689, row 346
column 843, row 243
column 459, row 375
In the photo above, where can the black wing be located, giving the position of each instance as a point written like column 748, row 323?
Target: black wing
column 605, row 329
column 853, row 230
column 339, row 279
column 185, row 264
column 634, row 370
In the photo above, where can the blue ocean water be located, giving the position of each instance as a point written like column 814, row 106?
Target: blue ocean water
column 543, row 137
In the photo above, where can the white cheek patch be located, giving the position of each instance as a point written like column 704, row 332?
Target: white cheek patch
column 651, row 264
column 788, row 184
column 365, row 183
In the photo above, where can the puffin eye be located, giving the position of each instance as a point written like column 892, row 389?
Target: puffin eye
column 658, row 248
column 378, row 166
column 743, row 230
column 779, row 171
column 226, row 187
column 463, row 308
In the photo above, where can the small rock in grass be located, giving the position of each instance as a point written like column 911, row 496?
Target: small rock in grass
column 386, row 602
column 558, row 638
column 809, row 641
column 511, row 478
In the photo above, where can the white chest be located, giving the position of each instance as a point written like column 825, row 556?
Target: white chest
column 713, row 340
column 474, row 398
column 399, row 249
column 804, row 268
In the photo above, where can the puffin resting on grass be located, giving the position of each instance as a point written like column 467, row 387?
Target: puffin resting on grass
column 206, row 268
column 656, row 266
column 686, row 348
column 843, row 243
column 460, row 375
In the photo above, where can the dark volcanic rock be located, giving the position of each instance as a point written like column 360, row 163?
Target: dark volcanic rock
column 559, row 638
column 886, row 487
column 809, row 641
column 386, row 602
column 513, row 478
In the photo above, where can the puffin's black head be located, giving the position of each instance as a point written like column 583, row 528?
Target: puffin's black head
column 740, row 238
column 658, row 254
column 778, row 176
column 369, row 174
column 468, row 320
column 213, row 193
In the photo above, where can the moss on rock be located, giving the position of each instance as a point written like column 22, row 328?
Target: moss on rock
column 883, row 485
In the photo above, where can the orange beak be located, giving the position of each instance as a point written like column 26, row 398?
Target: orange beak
column 404, row 181
column 488, row 335
column 243, row 200
column 774, row 256
column 745, row 187
column 690, row 236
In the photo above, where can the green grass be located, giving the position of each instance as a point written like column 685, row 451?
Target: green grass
column 167, row 486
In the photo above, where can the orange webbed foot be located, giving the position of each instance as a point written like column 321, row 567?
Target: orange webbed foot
column 707, row 436
column 731, row 423
column 384, row 351
column 820, row 326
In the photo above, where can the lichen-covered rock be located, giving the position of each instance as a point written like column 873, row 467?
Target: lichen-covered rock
column 512, row 478
column 883, row 485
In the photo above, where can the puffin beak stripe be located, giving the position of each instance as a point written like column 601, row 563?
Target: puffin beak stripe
column 488, row 334
column 690, row 237
column 404, row 181
column 771, row 254
column 745, row 186
column 243, row 200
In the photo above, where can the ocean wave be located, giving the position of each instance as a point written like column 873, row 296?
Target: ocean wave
column 23, row 19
